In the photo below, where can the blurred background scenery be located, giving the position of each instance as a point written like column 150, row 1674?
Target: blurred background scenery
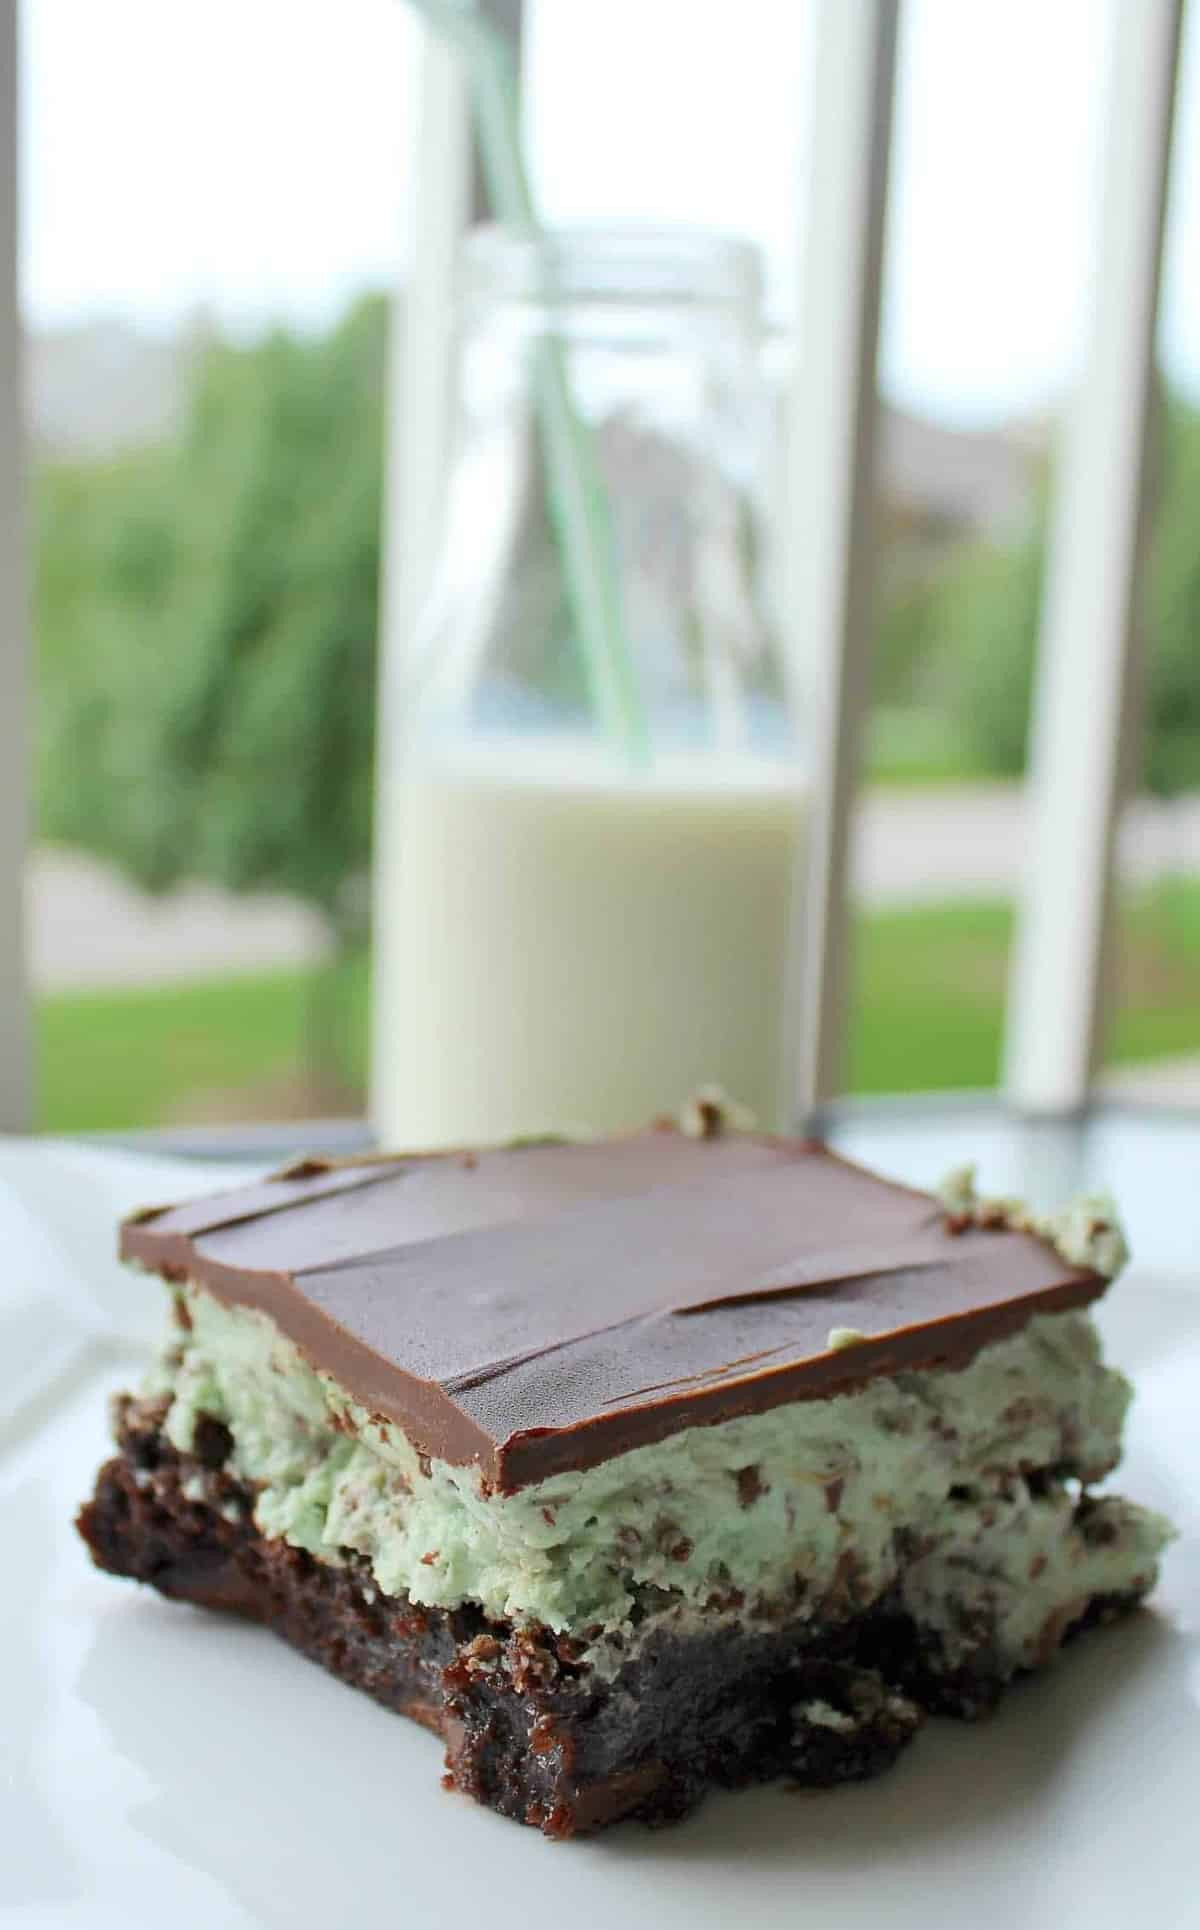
column 213, row 284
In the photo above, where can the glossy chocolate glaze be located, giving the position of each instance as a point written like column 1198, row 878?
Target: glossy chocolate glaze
column 538, row 1309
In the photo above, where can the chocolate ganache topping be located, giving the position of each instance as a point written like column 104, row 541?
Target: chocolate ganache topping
column 535, row 1309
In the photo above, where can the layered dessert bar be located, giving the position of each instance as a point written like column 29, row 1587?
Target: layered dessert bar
column 637, row 1467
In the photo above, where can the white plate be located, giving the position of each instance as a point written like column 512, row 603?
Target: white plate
column 63, row 1297
column 159, row 1766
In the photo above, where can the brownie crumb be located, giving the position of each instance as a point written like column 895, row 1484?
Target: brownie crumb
column 212, row 1443
column 710, row 1113
column 560, row 1823
column 309, row 1166
column 481, row 1655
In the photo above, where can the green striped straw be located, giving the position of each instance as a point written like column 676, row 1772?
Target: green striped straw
column 578, row 494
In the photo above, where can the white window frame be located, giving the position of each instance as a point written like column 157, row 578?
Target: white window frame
column 1086, row 729
column 829, row 513
column 15, row 701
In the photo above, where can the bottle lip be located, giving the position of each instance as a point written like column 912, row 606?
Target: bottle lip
column 635, row 264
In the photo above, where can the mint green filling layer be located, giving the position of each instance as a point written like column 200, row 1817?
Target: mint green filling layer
column 755, row 1505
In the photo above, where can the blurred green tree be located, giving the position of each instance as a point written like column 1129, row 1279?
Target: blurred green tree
column 982, row 625
column 1172, row 740
column 206, row 616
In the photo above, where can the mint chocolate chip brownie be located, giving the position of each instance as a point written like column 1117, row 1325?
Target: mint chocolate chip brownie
column 638, row 1467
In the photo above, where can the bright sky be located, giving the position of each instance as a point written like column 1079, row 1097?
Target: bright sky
column 250, row 155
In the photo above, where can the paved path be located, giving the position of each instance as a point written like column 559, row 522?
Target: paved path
column 969, row 840
column 89, row 928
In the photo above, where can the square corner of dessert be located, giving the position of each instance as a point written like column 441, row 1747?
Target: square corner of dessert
column 638, row 1467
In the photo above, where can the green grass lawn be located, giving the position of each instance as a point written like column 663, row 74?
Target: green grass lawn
column 146, row 1057
column 928, row 1010
column 915, row 748
column 930, row 987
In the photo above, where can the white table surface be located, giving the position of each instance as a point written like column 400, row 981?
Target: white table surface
column 158, row 1765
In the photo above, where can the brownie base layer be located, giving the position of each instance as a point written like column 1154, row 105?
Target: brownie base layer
column 530, row 1730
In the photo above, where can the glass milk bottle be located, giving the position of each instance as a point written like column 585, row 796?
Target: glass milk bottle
column 583, row 899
